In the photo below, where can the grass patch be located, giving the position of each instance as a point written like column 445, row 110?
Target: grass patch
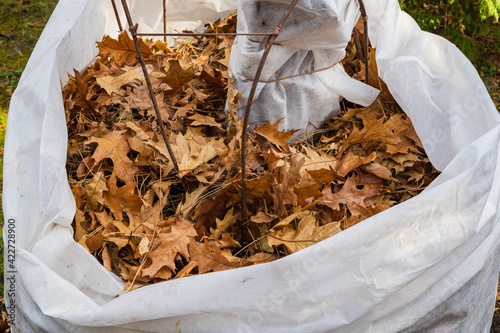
column 21, row 23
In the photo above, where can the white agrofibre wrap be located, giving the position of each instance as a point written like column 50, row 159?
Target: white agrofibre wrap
column 428, row 264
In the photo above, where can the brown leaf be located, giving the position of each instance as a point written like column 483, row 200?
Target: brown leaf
column 349, row 193
column 176, row 76
column 193, row 154
column 306, row 195
column 325, row 176
column 378, row 170
column 80, row 231
column 306, row 234
column 118, row 198
column 114, row 146
column 359, row 213
column 260, row 258
column 152, row 216
column 208, row 256
column 113, row 84
column 94, row 189
column 318, row 160
column 202, row 120
column 351, row 161
column 79, row 194
column 272, row 134
column 284, row 191
column 380, row 131
column 122, row 51
column 168, row 244
column 143, row 246
column 106, row 259
column 405, row 146
column 95, row 242
column 261, row 217
column 404, row 158
column 191, row 200
column 226, row 241
column 223, row 225
column 83, row 99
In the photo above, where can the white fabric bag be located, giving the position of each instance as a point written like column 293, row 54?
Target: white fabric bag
column 429, row 264
column 313, row 40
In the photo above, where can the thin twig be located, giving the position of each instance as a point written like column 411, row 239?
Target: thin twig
column 133, row 32
column 267, row 47
column 117, row 15
column 365, row 23
column 165, row 20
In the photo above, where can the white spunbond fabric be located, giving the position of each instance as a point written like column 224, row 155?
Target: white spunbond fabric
column 428, row 264
column 313, row 39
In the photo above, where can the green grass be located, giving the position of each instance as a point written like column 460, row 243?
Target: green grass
column 21, row 23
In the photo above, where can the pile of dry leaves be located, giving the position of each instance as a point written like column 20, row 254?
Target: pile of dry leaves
column 135, row 217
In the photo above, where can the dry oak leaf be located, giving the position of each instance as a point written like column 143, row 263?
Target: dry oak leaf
column 378, row 170
column 306, row 234
column 416, row 174
column 202, row 120
column 97, row 129
column 168, row 245
column 94, row 243
column 222, row 225
column 226, row 241
column 176, row 76
column 405, row 146
column 262, row 217
column 317, row 160
column 272, row 134
column 208, row 256
column 380, row 131
column 79, row 194
column 145, row 156
column 83, row 98
column 152, row 217
column 308, row 193
column 114, row 146
column 191, row 200
column 349, row 193
column 325, row 176
column 255, row 259
column 121, row 235
column 139, row 132
column 359, row 213
column 284, row 191
column 405, row 158
column 192, row 154
column 94, row 189
column 80, row 231
column 113, row 84
column 122, row 51
column 118, row 198
column 350, row 161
